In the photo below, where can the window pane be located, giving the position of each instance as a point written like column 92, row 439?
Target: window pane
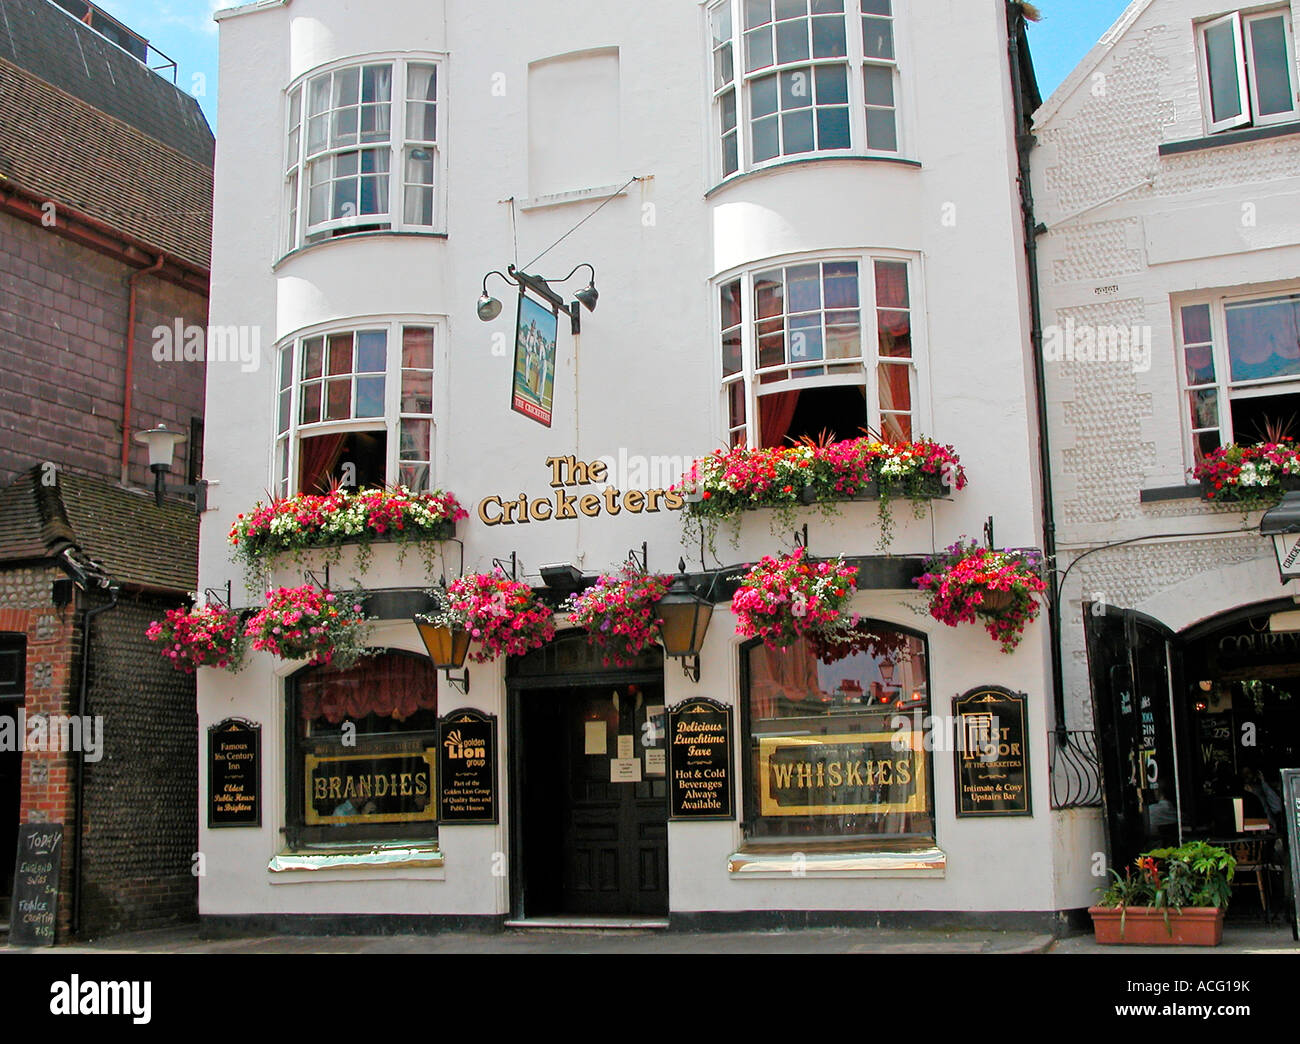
column 1205, row 408
column 1272, row 69
column 286, row 367
column 731, row 155
column 771, row 343
column 310, row 403
column 878, row 38
column 841, row 284
column 417, row 347
column 417, row 391
column 882, row 133
column 345, row 127
column 796, row 90
column 827, row 6
column 414, row 477
column 758, row 49
column 338, row 400
column 895, row 334
column 721, row 20
column 371, row 351
column 318, row 95
column 415, row 439
column 1200, row 365
column 375, row 120
column 370, row 397
column 312, row 354
column 832, row 85
column 829, row 38
column 1264, row 339
column 879, row 85
column 724, row 70
column 418, row 206
column 757, row 12
column 833, row 128
column 843, row 342
column 806, row 341
column 1221, row 58
column 769, row 294
column 762, row 96
column 1196, row 324
column 731, row 353
column 792, row 41
column 340, row 353
column 791, row 9
column 797, row 130
column 282, row 420
column 891, row 284
column 896, row 427
column 347, row 87
column 728, row 106
column 880, row 7
column 804, row 286
column 377, row 83
column 736, row 403
column 1206, row 442
column 895, row 389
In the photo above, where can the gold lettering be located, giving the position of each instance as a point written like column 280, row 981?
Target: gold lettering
column 597, row 469
column 834, row 774
column 363, row 787
column 334, row 787
column 611, row 499
column 634, row 501
column 508, row 512
column 319, row 787
column 652, row 499
column 483, row 511
column 421, row 783
column 564, row 504
column 522, row 505
column 903, row 771
column 536, row 510
column 579, row 473
column 853, row 773
column 406, row 784
column 557, row 466
column 674, row 501
column 590, row 505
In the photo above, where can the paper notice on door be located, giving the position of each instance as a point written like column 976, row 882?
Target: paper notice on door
column 594, row 742
column 625, row 748
column 625, row 770
column 654, row 762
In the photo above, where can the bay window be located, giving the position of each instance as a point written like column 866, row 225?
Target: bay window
column 802, row 77
column 355, row 408
column 818, row 348
column 1240, row 368
column 1248, row 69
column 362, row 151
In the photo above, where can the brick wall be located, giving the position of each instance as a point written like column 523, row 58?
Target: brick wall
column 63, row 311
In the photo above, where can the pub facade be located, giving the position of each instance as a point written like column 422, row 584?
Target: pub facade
column 799, row 235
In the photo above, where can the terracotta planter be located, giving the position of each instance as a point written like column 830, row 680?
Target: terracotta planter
column 1144, row 926
column 996, row 601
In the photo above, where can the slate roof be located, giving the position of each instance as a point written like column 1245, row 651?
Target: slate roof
column 56, row 144
column 131, row 538
column 45, row 40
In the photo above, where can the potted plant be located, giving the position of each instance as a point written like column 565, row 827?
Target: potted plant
column 1252, row 477
column 503, row 616
column 202, row 636
column 783, row 599
column 306, row 522
column 312, row 624
column 618, row 612
column 966, row 581
column 1177, row 897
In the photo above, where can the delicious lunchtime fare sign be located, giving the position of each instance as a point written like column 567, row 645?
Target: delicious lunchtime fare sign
column 569, row 473
column 993, row 758
column 235, row 773
column 467, row 758
column 699, row 760
column 382, row 788
column 841, row 774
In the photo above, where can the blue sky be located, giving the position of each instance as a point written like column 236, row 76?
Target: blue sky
column 185, row 32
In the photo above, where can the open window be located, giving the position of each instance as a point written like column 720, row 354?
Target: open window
column 1248, row 69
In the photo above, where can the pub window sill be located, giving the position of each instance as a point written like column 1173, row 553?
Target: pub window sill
column 1232, row 137
column 313, row 860
column 855, row 859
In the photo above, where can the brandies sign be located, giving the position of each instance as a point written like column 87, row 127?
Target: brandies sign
column 235, row 773
column 843, row 774
column 467, row 759
column 699, row 760
column 379, row 788
column 992, row 759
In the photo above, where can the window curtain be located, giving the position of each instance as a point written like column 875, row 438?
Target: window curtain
column 319, row 458
column 389, row 686
column 775, row 412
column 780, row 674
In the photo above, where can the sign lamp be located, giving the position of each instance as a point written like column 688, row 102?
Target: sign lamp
column 1282, row 523
column 446, row 647
column 686, row 619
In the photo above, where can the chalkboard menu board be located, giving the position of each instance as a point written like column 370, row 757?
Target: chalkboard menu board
column 699, row 760
column 467, row 767
column 1291, row 807
column 235, row 773
column 992, row 753
column 36, row 884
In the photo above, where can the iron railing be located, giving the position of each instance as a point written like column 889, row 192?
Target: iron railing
column 1075, row 769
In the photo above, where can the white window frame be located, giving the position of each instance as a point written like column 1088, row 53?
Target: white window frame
column 1242, row 23
column 1225, row 387
column 864, row 377
column 855, row 62
column 297, row 163
column 285, row 481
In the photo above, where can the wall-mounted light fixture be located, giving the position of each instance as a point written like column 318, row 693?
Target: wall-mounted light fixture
column 686, row 617
column 446, row 647
column 489, row 307
column 162, row 449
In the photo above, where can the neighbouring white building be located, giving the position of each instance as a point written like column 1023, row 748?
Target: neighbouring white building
column 1167, row 174
column 802, row 215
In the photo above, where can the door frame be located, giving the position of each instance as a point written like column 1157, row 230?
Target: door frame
column 517, row 689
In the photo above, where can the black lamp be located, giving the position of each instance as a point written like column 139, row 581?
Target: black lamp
column 686, row 619
column 162, row 448
column 1282, row 523
column 446, row 647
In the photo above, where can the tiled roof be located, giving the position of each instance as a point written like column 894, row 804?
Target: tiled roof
column 58, row 147
column 43, row 39
column 130, row 537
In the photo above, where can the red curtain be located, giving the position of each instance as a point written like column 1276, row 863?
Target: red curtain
column 390, row 686
column 775, row 412
column 319, row 457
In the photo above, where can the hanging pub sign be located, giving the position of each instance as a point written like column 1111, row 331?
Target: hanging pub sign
column 992, row 753
column 854, row 773
column 235, row 773
column 35, row 902
column 536, row 330
column 699, row 760
column 467, row 772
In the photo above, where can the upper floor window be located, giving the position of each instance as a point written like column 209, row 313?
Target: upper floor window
column 818, row 347
column 355, row 408
column 1241, row 369
column 362, row 151
column 801, row 77
column 1248, row 65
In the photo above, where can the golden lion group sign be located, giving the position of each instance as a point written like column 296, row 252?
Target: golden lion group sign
column 567, row 473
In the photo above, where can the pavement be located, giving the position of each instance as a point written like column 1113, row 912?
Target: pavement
column 1252, row 939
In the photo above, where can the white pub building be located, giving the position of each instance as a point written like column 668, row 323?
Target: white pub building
column 803, row 221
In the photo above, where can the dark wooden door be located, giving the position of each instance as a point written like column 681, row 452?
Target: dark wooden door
column 615, row 834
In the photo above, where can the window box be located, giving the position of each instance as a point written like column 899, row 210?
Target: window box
column 1252, row 477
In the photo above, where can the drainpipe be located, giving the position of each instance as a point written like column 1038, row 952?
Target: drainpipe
column 80, row 785
column 130, row 360
column 1024, row 146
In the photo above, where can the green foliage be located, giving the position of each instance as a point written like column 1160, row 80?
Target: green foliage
column 1196, row 874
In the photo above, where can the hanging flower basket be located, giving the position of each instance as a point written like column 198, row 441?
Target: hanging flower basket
column 1252, row 477
column 966, row 581
column 718, row 488
column 308, row 623
column 503, row 616
column 619, row 614
column 307, row 522
column 782, row 600
column 203, row 636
